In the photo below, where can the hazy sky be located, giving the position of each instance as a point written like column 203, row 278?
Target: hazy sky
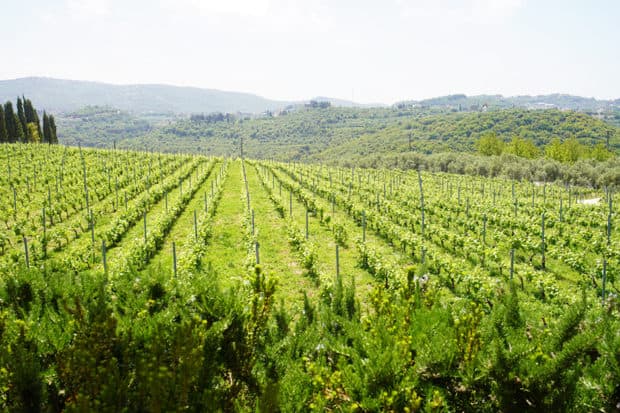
column 366, row 50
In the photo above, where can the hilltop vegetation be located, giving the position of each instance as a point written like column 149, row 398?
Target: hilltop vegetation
column 341, row 133
column 101, row 126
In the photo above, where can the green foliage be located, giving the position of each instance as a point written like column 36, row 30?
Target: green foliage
column 437, row 325
column 490, row 144
column 21, row 127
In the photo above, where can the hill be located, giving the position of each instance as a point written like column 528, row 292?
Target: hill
column 57, row 95
column 461, row 102
column 346, row 134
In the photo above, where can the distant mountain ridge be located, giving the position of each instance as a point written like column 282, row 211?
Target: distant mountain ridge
column 551, row 101
column 61, row 95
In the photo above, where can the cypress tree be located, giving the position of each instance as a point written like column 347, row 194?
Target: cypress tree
column 31, row 115
column 20, row 136
column 4, row 137
column 23, row 119
column 53, row 136
column 46, row 129
column 9, row 119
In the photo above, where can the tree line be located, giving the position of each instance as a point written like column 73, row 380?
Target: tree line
column 24, row 125
column 567, row 151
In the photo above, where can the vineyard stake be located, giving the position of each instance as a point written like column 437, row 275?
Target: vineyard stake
column 609, row 229
column 422, row 201
column 92, row 228
column 103, row 255
column 257, row 248
column 337, row 261
column 542, row 236
column 145, row 227
column 44, row 235
column 252, row 221
column 364, row 226
column 26, row 252
column 174, row 259
column 604, row 279
column 512, row 263
column 195, row 226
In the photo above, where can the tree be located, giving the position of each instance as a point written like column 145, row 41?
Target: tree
column 4, row 137
column 47, row 131
column 53, row 136
column 573, row 150
column 33, row 133
column 554, row 150
column 489, row 144
column 11, row 124
column 32, row 115
column 22, row 117
column 524, row 148
column 600, row 152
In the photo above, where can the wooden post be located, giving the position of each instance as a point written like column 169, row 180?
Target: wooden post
column 252, row 221
column 92, row 228
column 337, row 261
column 174, row 259
column 44, row 234
column 604, row 280
column 512, row 263
column 26, row 252
column 484, row 229
column 257, row 248
column 609, row 229
column 421, row 202
column 364, row 226
column 467, row 207
column 104, row 257
column 542, row 239
column 516, row 208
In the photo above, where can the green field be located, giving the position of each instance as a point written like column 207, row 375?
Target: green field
column 139, row 281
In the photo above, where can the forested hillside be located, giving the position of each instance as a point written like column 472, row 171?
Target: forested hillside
column 346, row 134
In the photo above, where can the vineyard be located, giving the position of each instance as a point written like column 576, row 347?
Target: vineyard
column 136, row 281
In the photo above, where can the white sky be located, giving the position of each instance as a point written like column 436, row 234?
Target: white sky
column 365, row 50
